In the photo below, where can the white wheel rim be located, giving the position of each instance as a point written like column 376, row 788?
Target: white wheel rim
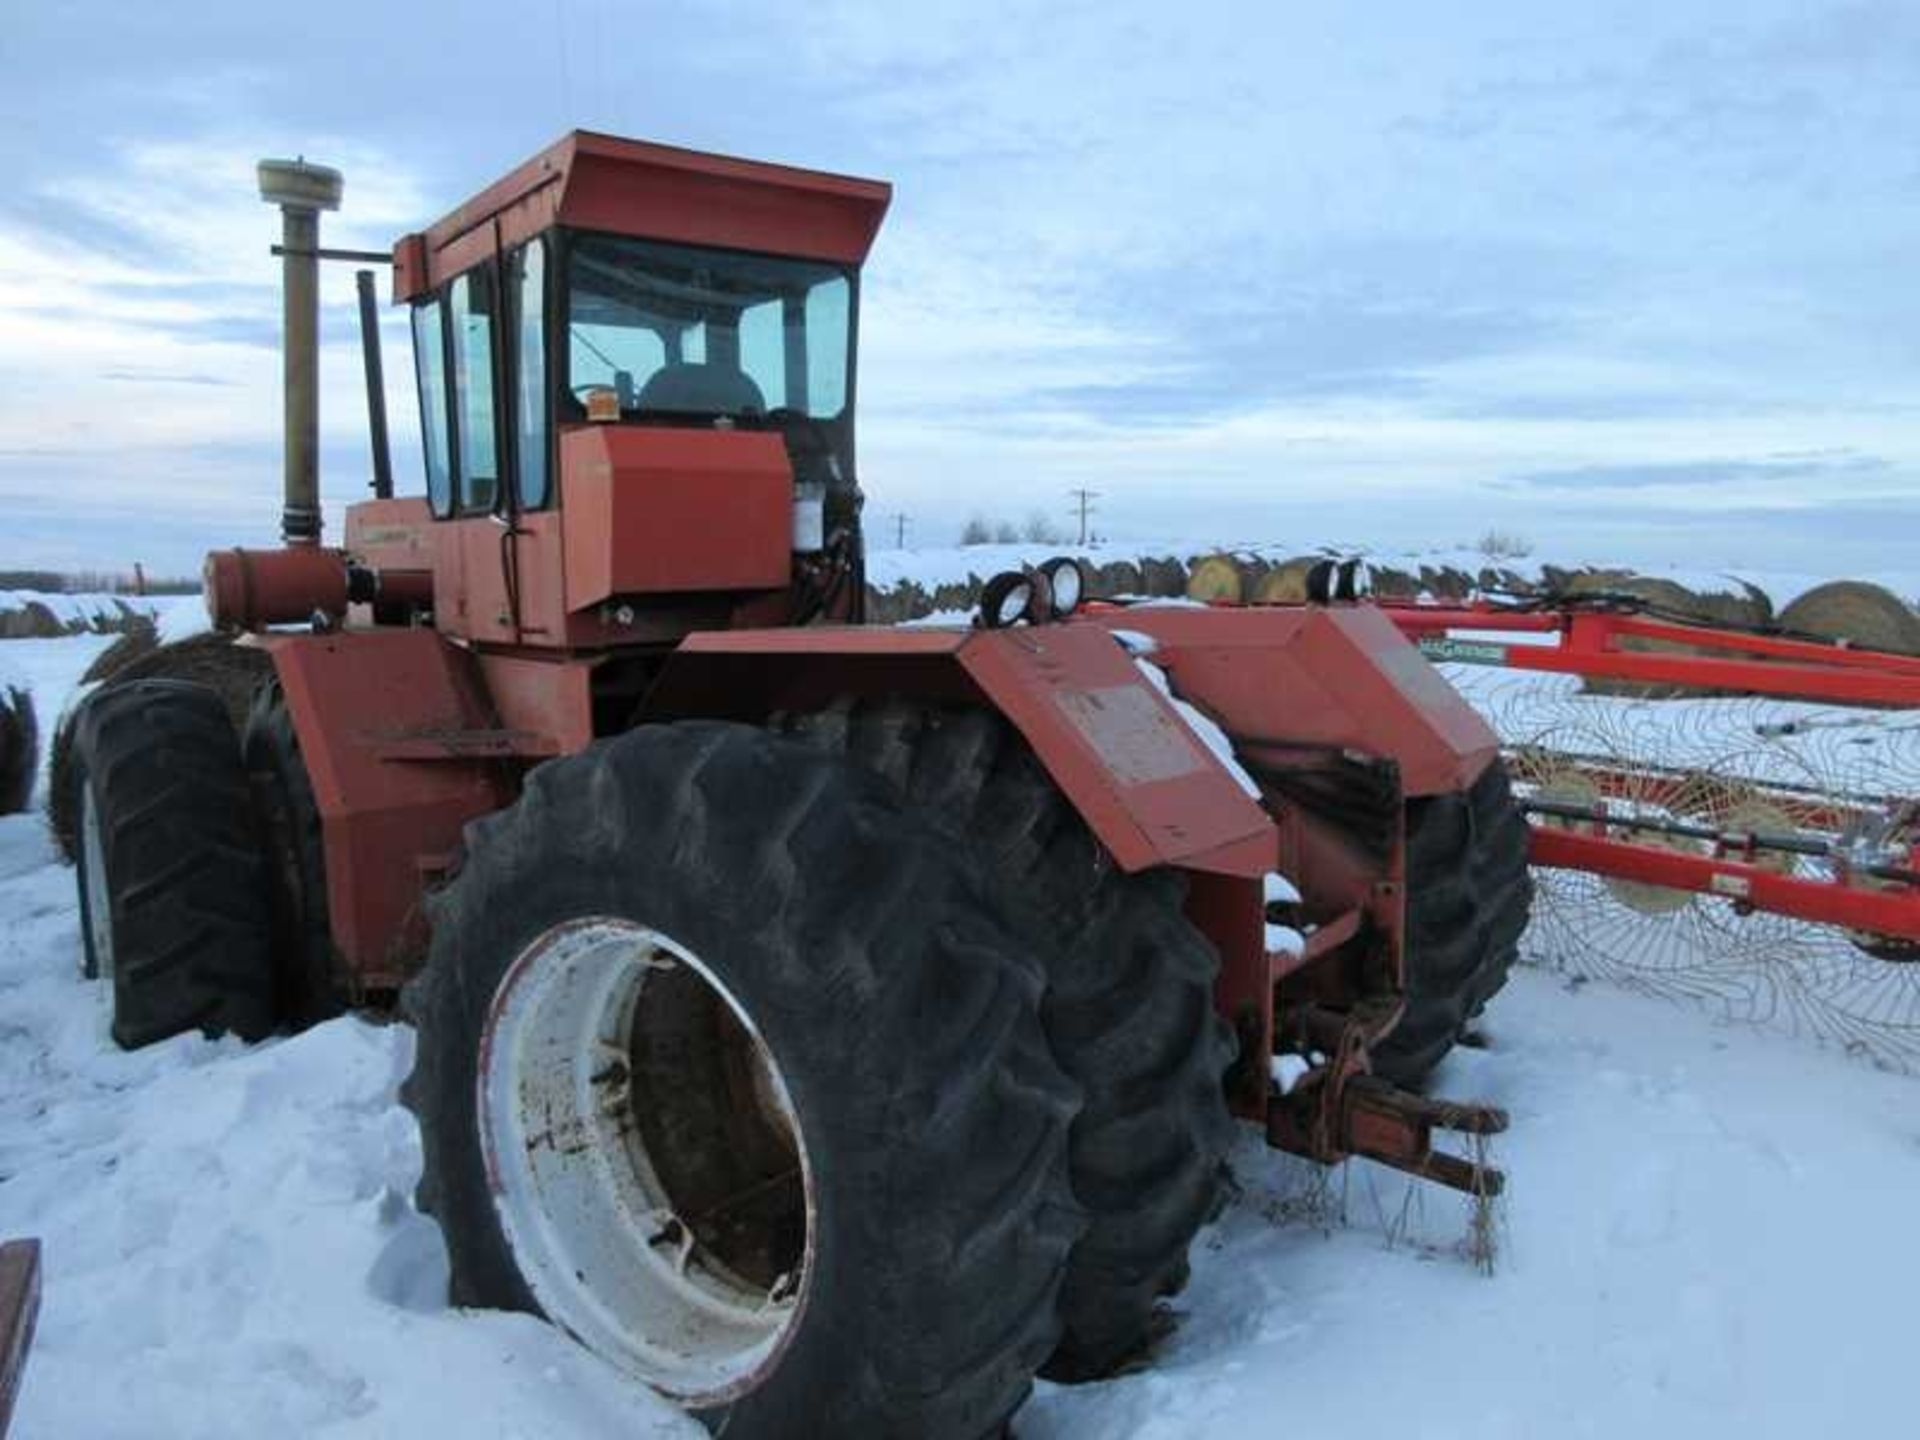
column 99, row 900
column 588, row 1144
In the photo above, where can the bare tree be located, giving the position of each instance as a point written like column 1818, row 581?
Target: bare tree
column 1041, row 531
column 1504, row 545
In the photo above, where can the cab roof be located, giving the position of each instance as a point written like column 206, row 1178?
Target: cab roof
column 589, row 181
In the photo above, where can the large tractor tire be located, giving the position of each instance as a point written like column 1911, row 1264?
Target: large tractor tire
column 309, row 985
column 1129, row 1009
column 19, row 749
column 1468, row 898
column 731, row 1065
column 173, row 896
column 233, row 672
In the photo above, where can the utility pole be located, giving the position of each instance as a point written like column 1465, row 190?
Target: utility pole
column 899, row 530
column 1083, row 503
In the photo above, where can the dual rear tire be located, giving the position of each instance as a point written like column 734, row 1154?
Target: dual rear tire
column 200, row 867
column 173, row 890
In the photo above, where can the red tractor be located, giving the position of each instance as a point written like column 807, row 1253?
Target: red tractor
column 832, row 1026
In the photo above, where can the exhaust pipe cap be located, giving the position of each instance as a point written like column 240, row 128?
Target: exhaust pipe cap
column 297, row 185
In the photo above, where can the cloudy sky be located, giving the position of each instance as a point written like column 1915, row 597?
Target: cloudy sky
column 1631, row 280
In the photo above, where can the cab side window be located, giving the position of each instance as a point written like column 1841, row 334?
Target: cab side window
column 471, row 312
column 430, row 367
column 530, row 317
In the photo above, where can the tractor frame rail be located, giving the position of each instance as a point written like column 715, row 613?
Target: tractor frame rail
column 1873, row 891
column 1589, row 645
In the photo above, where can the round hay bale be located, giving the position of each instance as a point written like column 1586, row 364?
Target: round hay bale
column 1671, row 600
column 1867, row 616
column 908, row 600
column 1215, row 578
column 1739, row 606
column 19, row 750
column 32, row 621
column 957, row 595
column 1118, row 577
column 1163, row 579
column 140, row 638
column 231, row 671
column 1286, row 583
column 1392, row 584
column 1446, row 582
column 1502, row 580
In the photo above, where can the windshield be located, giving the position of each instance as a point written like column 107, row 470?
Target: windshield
column 674, row 330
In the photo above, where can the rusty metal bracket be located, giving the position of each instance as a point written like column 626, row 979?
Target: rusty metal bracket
column 1395, row 1127
column 1340, row 1109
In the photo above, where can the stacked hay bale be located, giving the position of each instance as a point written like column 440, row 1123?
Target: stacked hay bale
column 1162, row 578
column 1286, row 582
column 1115, row 578
column 1216, row 579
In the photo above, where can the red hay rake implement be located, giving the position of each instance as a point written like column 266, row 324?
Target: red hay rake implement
column 1720, row 814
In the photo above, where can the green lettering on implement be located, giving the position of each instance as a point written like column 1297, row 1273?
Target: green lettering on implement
column 1444, row 648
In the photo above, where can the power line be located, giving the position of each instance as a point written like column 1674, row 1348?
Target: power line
column 900, row 523
column 1083, row 504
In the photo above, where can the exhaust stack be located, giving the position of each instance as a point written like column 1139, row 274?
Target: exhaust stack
column 301, row 191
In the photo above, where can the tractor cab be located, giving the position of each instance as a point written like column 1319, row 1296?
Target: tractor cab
column 636, row 372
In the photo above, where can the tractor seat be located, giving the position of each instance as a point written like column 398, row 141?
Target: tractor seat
column 701, row 388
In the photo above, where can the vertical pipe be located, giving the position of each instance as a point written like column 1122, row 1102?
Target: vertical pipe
column 300, row 359
column 376, row 386
column 301, row 191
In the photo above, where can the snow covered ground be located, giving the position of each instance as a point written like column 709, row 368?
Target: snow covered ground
column 1704, row 1237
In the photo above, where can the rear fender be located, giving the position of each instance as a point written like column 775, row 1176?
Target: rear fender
column 1151, row 791
column 1338, row 678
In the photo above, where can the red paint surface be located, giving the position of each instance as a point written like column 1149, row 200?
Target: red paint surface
column 387, row 822
column 630, row 187
column 1894, row 911
column 1340, row 677
column 650, row 510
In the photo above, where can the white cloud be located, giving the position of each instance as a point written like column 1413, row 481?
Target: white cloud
column 1264, row 262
